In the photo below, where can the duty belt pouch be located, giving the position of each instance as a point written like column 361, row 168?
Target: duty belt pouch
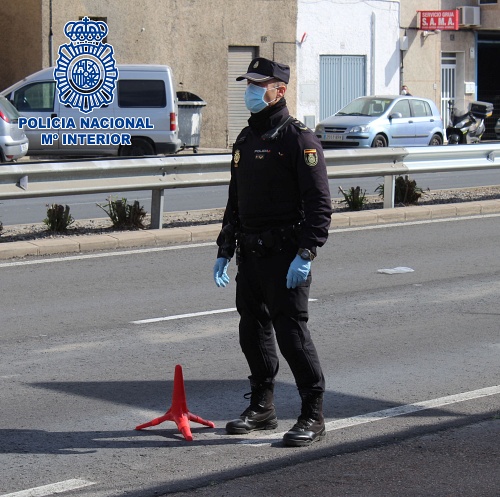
column 259, row 244
column 268, row 242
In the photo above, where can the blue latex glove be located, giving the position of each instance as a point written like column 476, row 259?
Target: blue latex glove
column 298, row 272
column 220, row 271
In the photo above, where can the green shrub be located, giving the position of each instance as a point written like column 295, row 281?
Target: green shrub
column 406, row 191
column 124, row 215
column 354, row 198
column 58, row 218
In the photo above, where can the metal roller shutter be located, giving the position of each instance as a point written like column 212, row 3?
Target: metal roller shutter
column 238, row 60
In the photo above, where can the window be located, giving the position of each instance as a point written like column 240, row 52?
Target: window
column 482, row 2
column 421, row 108
column 403, row 106
column 141, row 93
column 36, row 96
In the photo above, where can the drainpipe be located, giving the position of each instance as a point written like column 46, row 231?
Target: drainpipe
column 51, row 37
column 373, row 58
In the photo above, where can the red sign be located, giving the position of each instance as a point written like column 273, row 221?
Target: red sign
column 438, row 19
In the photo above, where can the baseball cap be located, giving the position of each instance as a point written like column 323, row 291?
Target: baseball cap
column 261, row 69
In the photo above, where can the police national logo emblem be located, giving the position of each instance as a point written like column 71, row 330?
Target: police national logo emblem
column 311, row 156
column 237, row 156
column 86, row 72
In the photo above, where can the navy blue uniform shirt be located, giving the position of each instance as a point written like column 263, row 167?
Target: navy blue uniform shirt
column 278, row 182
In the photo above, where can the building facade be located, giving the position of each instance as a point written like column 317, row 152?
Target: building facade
column 337, row 49
column 452, row 63
column 207, row 43
column 347, row 50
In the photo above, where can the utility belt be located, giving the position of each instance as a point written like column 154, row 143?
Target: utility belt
column 267, row 243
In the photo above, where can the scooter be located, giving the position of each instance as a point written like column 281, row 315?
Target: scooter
column 465, row 128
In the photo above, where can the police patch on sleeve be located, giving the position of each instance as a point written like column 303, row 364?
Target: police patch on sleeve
column 311, row 156
column 236, row 158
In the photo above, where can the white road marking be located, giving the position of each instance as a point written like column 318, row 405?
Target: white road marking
column 54, row 488
column 190, row 315
column 371, row 417
column 105, row 254
column 209, row 244
column 182, row 316
column 412, row 223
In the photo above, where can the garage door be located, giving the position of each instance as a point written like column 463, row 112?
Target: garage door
column 342, row 79
column 239, row 58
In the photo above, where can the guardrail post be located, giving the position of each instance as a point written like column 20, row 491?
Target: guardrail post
column 157, row 201
column 389, row 182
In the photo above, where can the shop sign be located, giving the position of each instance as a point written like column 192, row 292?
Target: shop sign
column 438, row 19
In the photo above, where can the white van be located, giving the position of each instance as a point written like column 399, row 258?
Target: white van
column 141, row 120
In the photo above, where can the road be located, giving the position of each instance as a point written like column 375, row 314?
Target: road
column 89, row 345
column 26, row 211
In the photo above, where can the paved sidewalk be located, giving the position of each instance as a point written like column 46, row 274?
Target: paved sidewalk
column 209, row 232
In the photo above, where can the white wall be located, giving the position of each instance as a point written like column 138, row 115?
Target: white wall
column 347, row 27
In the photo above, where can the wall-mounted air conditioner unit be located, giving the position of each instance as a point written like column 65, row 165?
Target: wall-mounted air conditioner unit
column 469, row 16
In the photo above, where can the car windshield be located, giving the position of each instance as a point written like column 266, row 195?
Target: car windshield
column 365, row 107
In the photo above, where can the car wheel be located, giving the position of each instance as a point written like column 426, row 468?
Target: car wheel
column 138, row 148
column 379, row 141
column 436, row 140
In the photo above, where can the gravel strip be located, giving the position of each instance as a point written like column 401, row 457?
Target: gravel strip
column 26, row 232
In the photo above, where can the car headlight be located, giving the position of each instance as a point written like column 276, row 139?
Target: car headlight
column 319, row 128
column 359, row 129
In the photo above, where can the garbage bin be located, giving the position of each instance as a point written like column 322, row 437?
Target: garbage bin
column 190, row 108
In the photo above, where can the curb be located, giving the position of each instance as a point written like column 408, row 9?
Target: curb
column 207, row 233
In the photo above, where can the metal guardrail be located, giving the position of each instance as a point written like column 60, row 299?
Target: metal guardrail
column 76, row 177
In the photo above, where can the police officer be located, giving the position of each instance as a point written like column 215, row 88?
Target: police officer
column 278, row 213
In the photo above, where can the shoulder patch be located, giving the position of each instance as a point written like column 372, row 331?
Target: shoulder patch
column 243, row 135
column 311, row 157
column 300, row 125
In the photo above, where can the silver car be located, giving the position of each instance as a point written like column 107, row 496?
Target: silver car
column 383, row 121
column 13, row 141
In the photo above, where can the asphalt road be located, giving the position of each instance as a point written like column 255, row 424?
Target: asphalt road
column 34, row 210
column 89, row 345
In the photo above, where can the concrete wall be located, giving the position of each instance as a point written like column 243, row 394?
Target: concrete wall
column 344, row 27
column 22, row 42
column 192, row 36
column 490, row 16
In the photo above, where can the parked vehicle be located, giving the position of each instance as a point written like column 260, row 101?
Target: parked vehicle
column 468, row 127
column 145, row 96
column 382, row 121
column 497, row 129
column 13, row 140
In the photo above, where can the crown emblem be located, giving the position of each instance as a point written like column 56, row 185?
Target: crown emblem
column 86, row 31
column 86, row 70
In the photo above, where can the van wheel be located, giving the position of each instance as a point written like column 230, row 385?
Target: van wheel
column 139, row 148
column 379, row 141
column 436, row 140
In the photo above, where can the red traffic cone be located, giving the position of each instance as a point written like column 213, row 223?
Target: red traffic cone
column 178, row 411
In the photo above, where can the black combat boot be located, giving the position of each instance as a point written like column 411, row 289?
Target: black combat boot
column 310, row 426
column 259, row 415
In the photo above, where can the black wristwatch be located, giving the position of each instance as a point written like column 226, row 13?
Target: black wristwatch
column 306, row 254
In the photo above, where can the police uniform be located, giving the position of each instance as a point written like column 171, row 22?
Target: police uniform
column 279, row 205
